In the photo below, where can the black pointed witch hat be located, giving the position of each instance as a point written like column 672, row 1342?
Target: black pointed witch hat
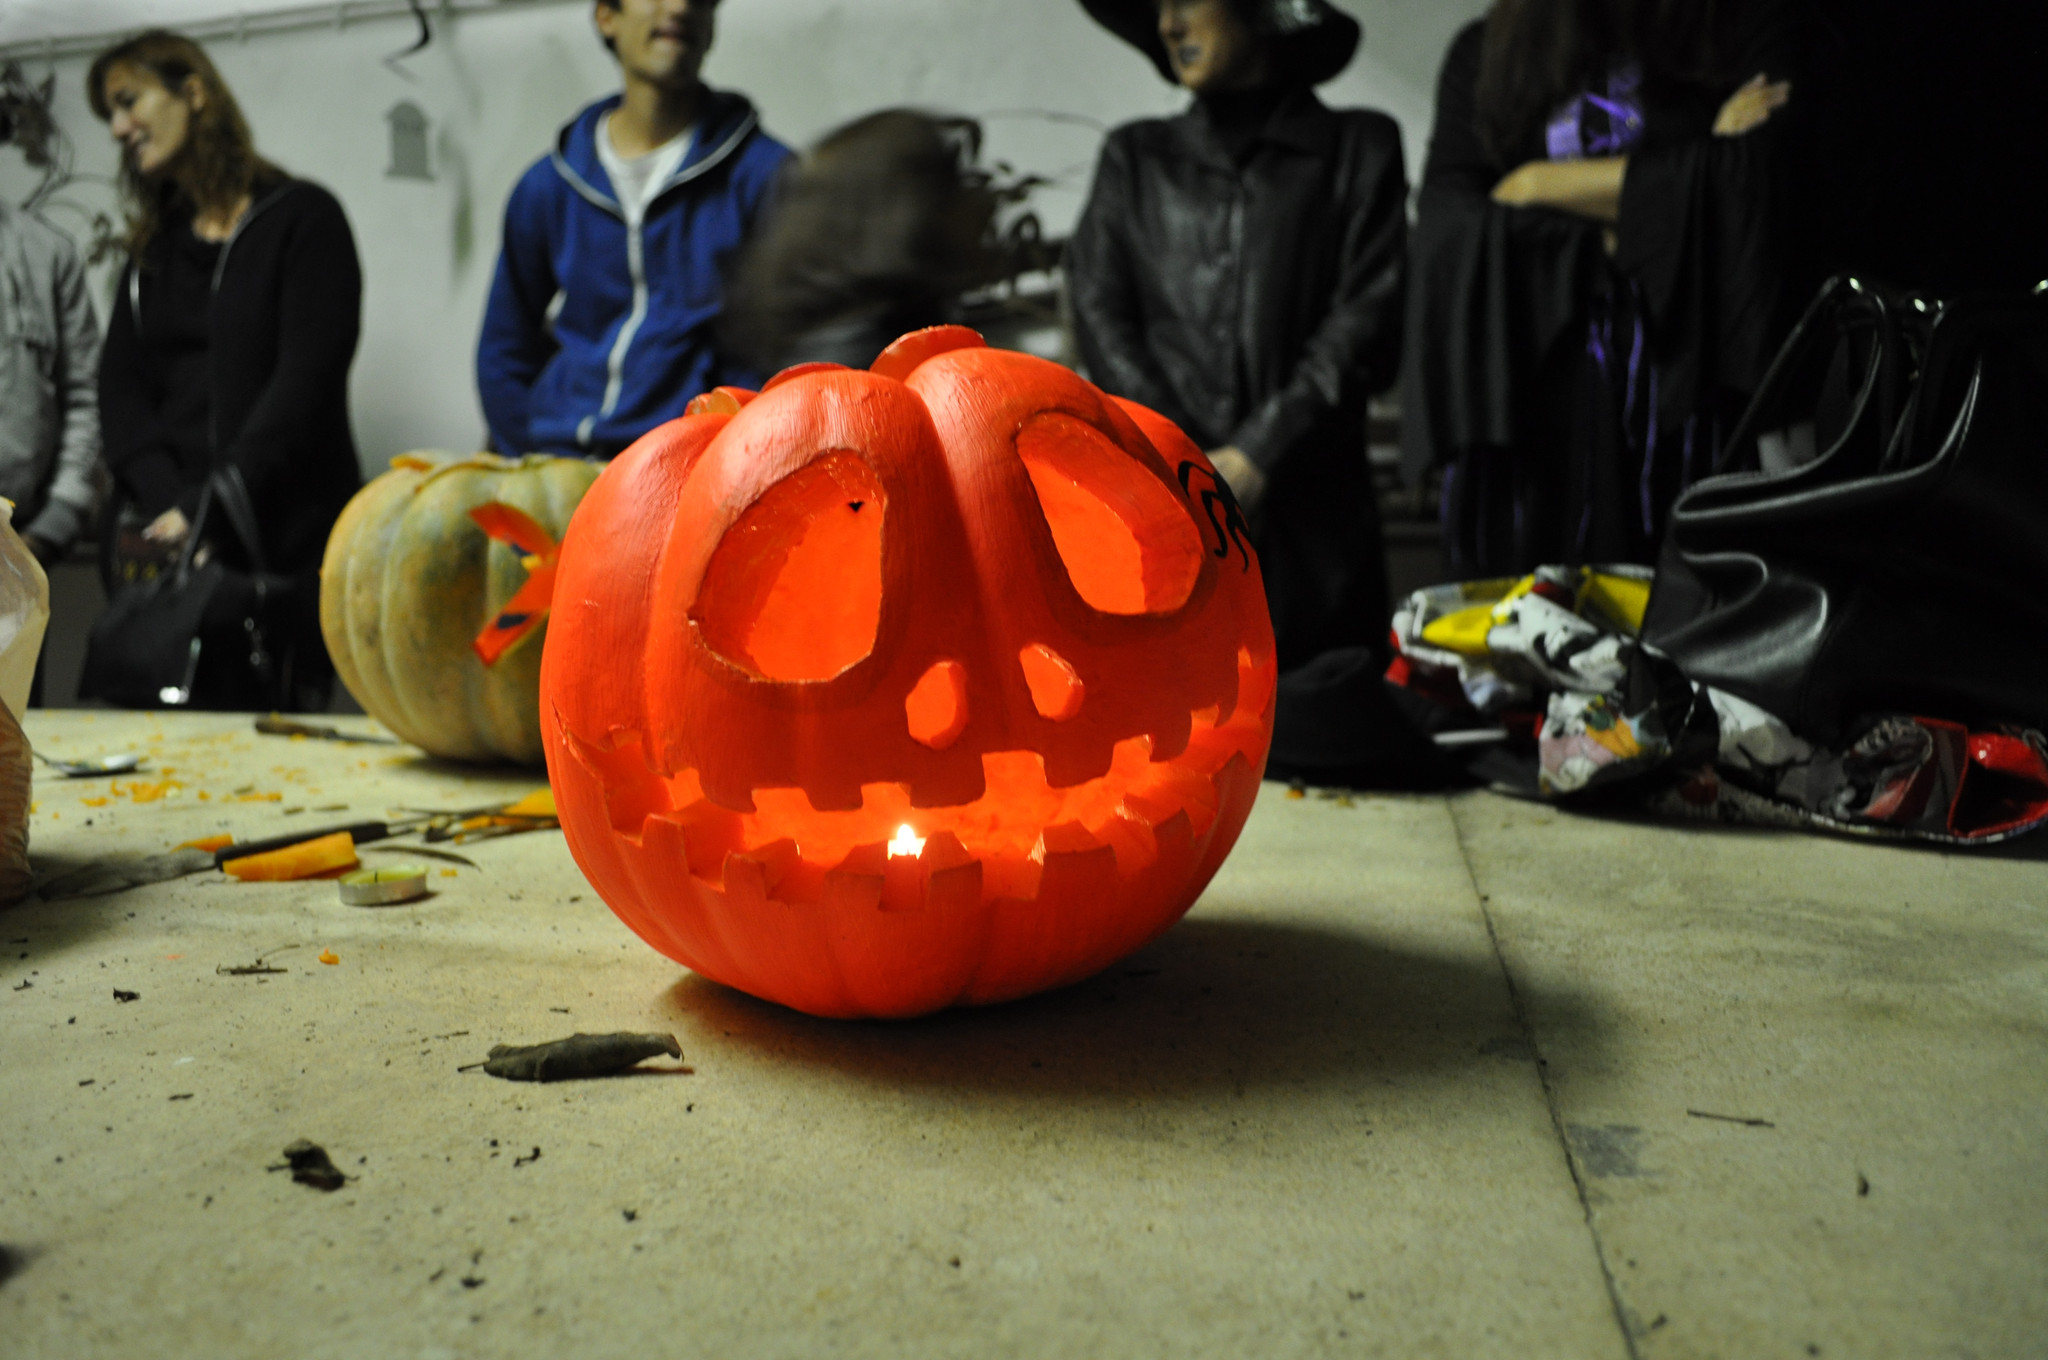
column 1312, row 39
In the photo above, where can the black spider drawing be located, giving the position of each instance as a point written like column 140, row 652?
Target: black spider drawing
column 1232, row 528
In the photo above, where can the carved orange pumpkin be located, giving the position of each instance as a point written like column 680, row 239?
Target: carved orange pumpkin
column 887, row 691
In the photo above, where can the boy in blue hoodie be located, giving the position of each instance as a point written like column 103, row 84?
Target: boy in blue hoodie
column 610, row 281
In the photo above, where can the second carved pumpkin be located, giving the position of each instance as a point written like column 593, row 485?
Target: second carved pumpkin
column 411, row 579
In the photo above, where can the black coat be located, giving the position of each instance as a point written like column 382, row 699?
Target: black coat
column 284, row 319
column 1545, row 454
column 1255, row 300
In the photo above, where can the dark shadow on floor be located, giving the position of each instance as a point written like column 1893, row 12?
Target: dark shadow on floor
column 52, row 926
column 412, row 760
column 1213, row 1006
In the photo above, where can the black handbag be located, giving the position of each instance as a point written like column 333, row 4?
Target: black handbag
column 196, row 636
column 1904, row 567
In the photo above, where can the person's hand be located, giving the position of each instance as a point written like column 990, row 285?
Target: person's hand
column 1587, row 187
column 170, row 527
column 1244, row 477
column 1522, row 185
column 1750, row 107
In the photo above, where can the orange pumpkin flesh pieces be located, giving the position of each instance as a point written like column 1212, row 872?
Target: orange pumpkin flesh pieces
column 964, row 603
column 308, row 859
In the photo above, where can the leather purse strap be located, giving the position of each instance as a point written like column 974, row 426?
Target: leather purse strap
column 1839, row 298
column 232, row 493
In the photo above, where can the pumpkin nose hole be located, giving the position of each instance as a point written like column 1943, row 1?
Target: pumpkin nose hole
column 937, row 705
column 794, row 589
column 1127, row 542
column 1056, row 691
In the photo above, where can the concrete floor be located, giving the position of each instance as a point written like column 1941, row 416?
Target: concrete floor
column 1419, row 1076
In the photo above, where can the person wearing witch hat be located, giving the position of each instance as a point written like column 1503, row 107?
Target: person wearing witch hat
column 1239, row 269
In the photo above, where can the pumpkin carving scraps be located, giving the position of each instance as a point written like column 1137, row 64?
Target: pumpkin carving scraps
column 886, row 691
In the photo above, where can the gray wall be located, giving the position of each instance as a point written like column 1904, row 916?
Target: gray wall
column 495, row 87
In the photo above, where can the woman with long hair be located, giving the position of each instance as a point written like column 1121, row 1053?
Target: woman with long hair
column 224, row 377
column 1600, row 268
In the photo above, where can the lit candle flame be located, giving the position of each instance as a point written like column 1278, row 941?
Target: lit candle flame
column 906, row 843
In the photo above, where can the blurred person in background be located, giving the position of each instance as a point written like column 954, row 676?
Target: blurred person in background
column 1239, row 269
column 1602, row 268
column 602, row 319
column 874, row 232
column 226, row 360
column 49, row 362
column 49, row 345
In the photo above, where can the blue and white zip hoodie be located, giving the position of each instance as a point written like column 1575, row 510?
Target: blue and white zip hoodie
column 595, row 333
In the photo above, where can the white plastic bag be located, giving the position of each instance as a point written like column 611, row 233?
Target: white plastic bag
column 24, row 614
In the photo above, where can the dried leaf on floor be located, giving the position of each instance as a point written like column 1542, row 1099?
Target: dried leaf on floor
column 310, row 1165
column 579, row 1055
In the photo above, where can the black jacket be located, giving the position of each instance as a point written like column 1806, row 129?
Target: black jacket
column 1255, row 300
column 1700, row 236
column 286, row 313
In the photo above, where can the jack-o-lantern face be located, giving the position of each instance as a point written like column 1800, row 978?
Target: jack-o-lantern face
column 881, row 692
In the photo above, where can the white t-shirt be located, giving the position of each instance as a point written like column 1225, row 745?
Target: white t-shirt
column 637, row 179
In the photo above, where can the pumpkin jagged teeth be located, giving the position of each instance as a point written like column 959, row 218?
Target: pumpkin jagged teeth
column 1169, row 743
column 1162, row 821
column 1075, row 876
column 633, row 791
column 1066, row 838
column 865, row 861
column 743, row 882
column 1174, row 838
column 1146, row 809
column 1132, row 840
column 775, row 858
column 700, row 837
column 1033, row 902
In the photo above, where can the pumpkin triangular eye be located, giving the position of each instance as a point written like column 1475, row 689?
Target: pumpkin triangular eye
column 1126, row 541
column 794, row 589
